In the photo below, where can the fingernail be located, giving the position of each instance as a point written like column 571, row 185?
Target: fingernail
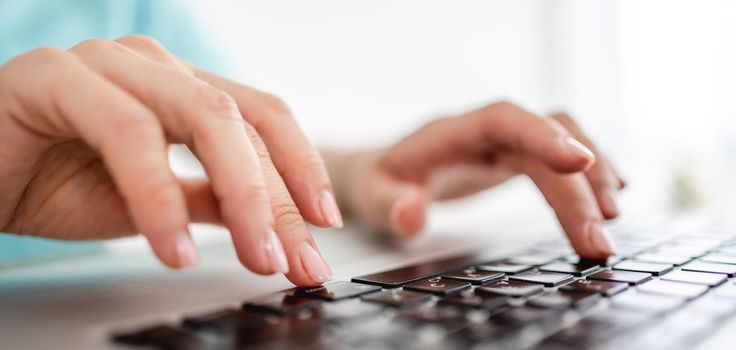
column 609, row 203
column 330, row 211
column 600, row 239
column 397, row 208
column 275, row 253
column 314, row 264
column 185, row 250
column 579, row 149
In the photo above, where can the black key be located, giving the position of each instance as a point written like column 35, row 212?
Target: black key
column 349, row 310
column 474, row 276
column 161, row 337
column 511, row 288
column 632, row 278
column 338, row 290
column 445, row 316
column 565, row 299
column 676, row 289
column 603, row 287
column 517, row 317
column 579, row 269
column 225, row 321
column 612, row 260
column 708, row 279
column 720, row 258
column 700, row 266
column 438, row 286
column 653, row 268
column 469, row 299
column 663, row 259
column 397, row 297
column 504, row 268
column 281, row 303
column 534, row 258
column 549, row 279
column 398, row 277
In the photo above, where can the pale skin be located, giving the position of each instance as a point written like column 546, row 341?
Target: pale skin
column 83, row 155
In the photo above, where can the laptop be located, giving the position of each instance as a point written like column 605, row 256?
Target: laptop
column 473, row 281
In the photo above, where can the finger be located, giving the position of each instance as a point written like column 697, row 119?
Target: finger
column 575, row 205
column 209, row 122
column 296, row 159
column 602, row 177
column 306, row 265
column 471, row 137
column 128, row 137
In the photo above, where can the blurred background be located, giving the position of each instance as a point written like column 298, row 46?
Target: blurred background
column 652, row 81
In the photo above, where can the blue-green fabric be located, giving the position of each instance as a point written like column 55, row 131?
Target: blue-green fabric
column 27, row 24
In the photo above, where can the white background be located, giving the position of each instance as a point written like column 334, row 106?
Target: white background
column 652, row 81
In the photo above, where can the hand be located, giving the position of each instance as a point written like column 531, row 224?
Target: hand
column 458, row 156
column 83, row 155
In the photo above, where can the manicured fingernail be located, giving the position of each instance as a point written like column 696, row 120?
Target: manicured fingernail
column 579, row 149
column 275, row 253
column 330, row 211
column 394, row 215
column 314, row 264
column 609, row 203
column 600, row 239
column 185, row 250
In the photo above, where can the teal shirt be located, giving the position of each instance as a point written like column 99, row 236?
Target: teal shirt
column 27, row 24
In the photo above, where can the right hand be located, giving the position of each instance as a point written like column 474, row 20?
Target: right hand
column 83, row 155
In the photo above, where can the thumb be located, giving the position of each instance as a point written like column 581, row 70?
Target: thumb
column 398, row 206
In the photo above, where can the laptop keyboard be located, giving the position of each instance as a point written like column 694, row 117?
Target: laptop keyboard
column 659, row 293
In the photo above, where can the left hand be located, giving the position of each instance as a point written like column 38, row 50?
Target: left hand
column 458, row 156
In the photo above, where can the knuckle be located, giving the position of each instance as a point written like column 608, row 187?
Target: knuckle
column 134, row 126
column 501, row 105
column 287, row 216
column 218, row 101
column 96, row 45
column 274, row 104
column 142, row 41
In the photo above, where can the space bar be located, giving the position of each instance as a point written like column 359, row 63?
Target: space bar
column 398, row 277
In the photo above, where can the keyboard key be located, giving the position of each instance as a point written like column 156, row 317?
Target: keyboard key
column 504, row 268
column 398, row 277
column 646, row 303
column 160, row 337
column 612, row 260
column 565, row 299
column 720, row 258
column 519, row 317
column 397, row 297
column 469, row 299
column 474, row 276
column 338, row 290
column 535, row 258
column 579, row 269
column 603, row 287
column 708, row 279
column 281, row 303
column 549, row 279
column 726, row 291
column 663, row 259
column 223, row 321
column 653, row 268
column 688, row 291
column 699, row 266
column 511, row 288
column 438, row 286
column 631, row 278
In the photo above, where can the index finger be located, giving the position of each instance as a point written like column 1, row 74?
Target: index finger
column 477, row 135
column 296, row 159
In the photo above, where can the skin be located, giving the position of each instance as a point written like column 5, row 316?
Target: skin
column 83, row 155
column 391, row 189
